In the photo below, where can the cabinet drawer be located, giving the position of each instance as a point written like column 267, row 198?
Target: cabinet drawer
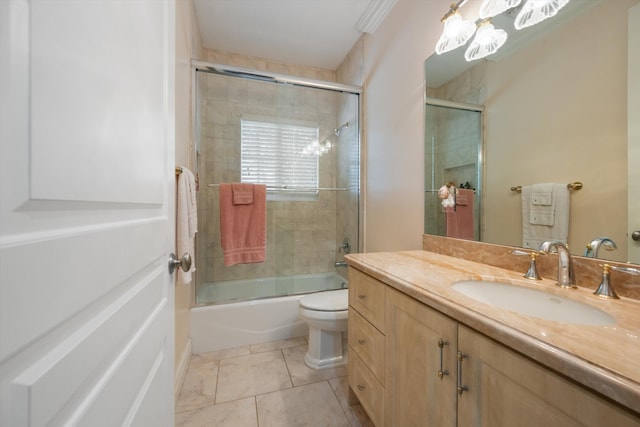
column 367, row 295
column 367, row 389
column 368, row 343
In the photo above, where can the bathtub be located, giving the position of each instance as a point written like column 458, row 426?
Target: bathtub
column 244, row 312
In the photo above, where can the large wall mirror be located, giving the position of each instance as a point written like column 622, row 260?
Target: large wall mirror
column 559, row 103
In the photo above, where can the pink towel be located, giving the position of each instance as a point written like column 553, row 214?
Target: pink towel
column 460, row 220
column 243, row 226
column 242, row 193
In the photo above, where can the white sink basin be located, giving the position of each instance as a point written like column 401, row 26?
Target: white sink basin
column 533, row 302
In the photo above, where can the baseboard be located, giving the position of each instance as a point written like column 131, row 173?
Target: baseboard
column 181, row 370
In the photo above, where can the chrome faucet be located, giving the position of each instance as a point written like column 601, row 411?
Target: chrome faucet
column 566, row 274
column 340, row 264
column 592, row 248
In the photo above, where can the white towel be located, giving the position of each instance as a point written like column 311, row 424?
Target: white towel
column 533, row 234
column 542, row 204
column 186, row 222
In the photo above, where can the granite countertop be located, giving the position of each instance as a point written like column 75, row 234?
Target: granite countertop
column 603, row 358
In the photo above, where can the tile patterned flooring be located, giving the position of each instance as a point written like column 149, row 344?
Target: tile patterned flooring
column 265, row 385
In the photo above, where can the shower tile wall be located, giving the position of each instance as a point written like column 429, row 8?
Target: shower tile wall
column 301, row 235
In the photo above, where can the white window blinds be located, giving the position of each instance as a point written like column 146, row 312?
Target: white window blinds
column 272, row 154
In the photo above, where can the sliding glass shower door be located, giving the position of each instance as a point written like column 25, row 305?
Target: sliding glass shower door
column 303, row 143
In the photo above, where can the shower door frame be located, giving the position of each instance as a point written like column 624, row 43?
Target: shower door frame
column 284, row 79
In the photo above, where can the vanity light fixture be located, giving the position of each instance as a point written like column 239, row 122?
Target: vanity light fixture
column 535, row 11
column 456, row 31
column 491, row 8
column 487, row 41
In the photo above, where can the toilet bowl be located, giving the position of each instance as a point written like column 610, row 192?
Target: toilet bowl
column 326, row 315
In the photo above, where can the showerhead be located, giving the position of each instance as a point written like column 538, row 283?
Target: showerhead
column 338, row 130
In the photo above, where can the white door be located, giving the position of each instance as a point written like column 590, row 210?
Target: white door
column 87, row 212
column 633, row 114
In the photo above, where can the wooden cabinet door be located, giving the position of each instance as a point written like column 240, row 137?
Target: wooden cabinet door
column 508, row 389
column 416, row 395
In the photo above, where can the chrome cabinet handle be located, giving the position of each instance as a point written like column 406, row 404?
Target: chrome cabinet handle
column 442, row 372
column 362, row 296
column 361, row 387
column 184, row 262
column 461, row 388
column 362, row 341
column 636, row 236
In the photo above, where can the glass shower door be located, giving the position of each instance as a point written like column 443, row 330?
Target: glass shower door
column 453, row 156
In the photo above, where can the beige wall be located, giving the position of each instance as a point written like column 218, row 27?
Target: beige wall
column 394, row 120
column 188, row 46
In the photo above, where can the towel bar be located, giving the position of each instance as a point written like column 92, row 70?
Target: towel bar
column 576, row 185
column 285, row 188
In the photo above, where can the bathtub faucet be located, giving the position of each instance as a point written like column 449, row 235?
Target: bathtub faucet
column 340, row 264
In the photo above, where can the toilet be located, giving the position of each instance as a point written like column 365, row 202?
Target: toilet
column 326, row 315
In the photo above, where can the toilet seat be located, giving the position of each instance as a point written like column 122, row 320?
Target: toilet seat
column 326, row 301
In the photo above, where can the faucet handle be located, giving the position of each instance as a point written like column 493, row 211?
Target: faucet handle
column 605, row 290
column 628, row 270
column 532, row 272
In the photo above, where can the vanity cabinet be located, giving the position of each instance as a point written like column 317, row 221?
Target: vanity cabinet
column 435, row 371
column 421, row 364
column 505, row 388
column 367, row 343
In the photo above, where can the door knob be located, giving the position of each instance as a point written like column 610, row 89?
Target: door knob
column 636, row 236
column 184, row 262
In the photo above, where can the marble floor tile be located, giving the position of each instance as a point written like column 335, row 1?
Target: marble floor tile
column 309, row 405
column 278, row 345
column 199, row 387
column 301, row 374
column 238, row 413
column 213, row 356
column 355, row 413
column 250, row 375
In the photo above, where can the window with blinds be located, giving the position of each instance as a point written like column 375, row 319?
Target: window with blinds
column 273, row 154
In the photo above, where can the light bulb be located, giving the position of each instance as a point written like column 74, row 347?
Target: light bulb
column 491, row 8
column 486, row 42
column 535, row 11
column 456, row 33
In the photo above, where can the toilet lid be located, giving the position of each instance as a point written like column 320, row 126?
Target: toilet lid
column 326, row 301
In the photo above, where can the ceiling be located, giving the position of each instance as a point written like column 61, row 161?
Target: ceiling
column 315, row 33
